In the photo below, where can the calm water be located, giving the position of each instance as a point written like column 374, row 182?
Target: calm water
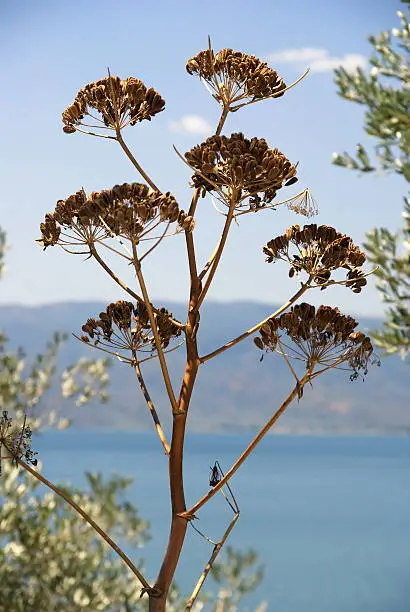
column 329, row 516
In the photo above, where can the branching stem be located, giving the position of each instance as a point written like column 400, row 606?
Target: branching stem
column 119, row 282
column 190, row 514
column 255, row 328
column 209, row 565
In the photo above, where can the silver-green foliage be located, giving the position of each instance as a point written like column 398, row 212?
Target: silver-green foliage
column 385, row 92
column 51, row 560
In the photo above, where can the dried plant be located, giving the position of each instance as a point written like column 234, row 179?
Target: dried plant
column 131, row 220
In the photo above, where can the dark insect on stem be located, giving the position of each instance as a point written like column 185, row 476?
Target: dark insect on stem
column 215, row 475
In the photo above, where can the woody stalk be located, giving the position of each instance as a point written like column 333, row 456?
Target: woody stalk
column 245, row 175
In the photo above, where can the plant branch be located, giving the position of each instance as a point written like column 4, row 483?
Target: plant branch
column 209, row 565
column 222, row 120
column 151, row 407
column 219, row 251
column 190, row 514
column 134, row 162
column 89, row 520
column 255, row 328
column 119, row 282
column 154, row 328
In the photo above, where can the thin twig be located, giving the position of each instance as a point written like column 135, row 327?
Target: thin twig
column 219, row 251
column 151, row 407
column 255, row 328
column 119, row 282
column 89, row 520
column 134, row 162
column 190, row 514
column 77, row 129
column 276, row 95
column 209, row 565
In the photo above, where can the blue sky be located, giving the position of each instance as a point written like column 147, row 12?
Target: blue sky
column 49, row 50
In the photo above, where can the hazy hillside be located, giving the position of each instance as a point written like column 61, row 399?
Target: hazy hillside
column 235, row 391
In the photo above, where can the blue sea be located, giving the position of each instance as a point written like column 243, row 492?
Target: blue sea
column 328, row 516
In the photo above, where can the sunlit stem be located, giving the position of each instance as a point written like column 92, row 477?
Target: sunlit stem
column 190, row 514
column 119, row 282
column 151, row 408
column 209, row 565
column 88, row 519
column 255, row 328
column 134, row 162
column 157, row 339
column 219, row 251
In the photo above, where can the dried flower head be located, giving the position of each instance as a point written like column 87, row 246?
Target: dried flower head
column 318, row 250
column 125, row 328
column 237, row 167
column 234, row 76
column 130, row 211
column 15, row 441
column 120, row 102
column 321, row 336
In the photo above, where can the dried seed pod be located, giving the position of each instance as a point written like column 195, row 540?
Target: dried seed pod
column 318, row 336
column 130, row 210
column 234, row 76
column 125, row 330
column 119, row 102
column 318, row 251
column 245, row 167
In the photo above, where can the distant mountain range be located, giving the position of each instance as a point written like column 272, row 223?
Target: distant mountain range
column 235, row 391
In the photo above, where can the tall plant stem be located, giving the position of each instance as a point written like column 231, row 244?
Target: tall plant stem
column 157, row 339
column 189, row 514
column 151, row 408
column 209, row 565
column 176, row 481
column 134, row 162
column 89, row 520
column 255, row 328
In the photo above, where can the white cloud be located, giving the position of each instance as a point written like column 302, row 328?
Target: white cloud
column 318, row 60
column 192, row 124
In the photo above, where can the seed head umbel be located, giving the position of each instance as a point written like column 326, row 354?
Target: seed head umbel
column 241, row 166
column 118, row 102
column 318, row 250
column 234, row 76
column 319, row 336
column 124, row 330
column 131, row 211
